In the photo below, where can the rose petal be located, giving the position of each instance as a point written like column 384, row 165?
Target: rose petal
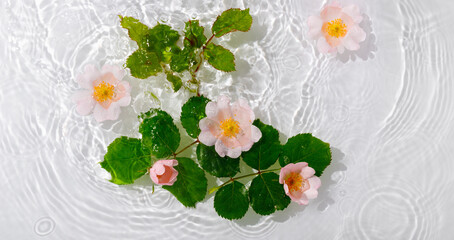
column 234, row 153
column 124, row 101
column 302, row 201
column 291, row 167
column 159, row 168
column 170, row 163
column 296, row 167
column 211, row 110
column 323, row 46
column 247, row 147
column 173, row 178
column 350, row 43
column 101, row 114
column 154, row 177
column 282, row 174
column 295, row 195
column 230, row 142
column 285, row 187
column 330, row 12
column 311, row 194
column 85, row 102
column 223, row 114
column 340, row 49
column 307, row 172
column 357, row 34
column 243, row 103
column 223, row 105
column 212, row 126
column 220, row 148
column 314, row 182
column 244, row 116
column 223, row 101
column 117, row 71
column 89, row 74
column 315, row 24
column 354, row 12
column 256, row 133
column 207, row 138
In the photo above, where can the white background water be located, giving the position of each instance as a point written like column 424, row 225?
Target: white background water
column 387, row 111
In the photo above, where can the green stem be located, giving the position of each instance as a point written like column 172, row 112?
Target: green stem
column 182, row 150
column 240, row 177
column 209, row 40
column 201, row 53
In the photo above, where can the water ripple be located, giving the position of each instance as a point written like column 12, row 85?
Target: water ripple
column 388, row 109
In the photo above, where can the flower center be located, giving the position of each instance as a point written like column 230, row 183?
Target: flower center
column 295, row 181
column 230, row 127
column 104, row 91
column 335, row 28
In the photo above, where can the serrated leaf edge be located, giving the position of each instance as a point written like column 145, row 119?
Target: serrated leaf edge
column 252, row 21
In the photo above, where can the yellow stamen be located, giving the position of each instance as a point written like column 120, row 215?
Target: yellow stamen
column 335, row 28
column 230, row 127
column 294, row 181
column 103, row 92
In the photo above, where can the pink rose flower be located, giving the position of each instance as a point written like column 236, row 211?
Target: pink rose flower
column 336, row 28
column 299, row 181
column 104, row 92
column 229, row 127
column 163, row 172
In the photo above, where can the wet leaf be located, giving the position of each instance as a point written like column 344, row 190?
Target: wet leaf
column 306, row 148
column 137, row 31
column 191, row 114
column 159, row 133
column 143, row 64
column 182, row 60
column 231, row 201
column 232, row 20
column 162, row 38
column 126, row 160
column 194, row 36
column 219, row 57
column 175, row 80
column 216, row 165
column 267, row 195
column 265, row 152
column 191, row 184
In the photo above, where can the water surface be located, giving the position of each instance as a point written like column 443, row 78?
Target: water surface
column 387, row 111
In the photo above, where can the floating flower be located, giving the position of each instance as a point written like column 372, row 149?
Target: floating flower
column 104, row 92
column 229, row 127
column 337, row 28
column 299, row 181
column 163, row 172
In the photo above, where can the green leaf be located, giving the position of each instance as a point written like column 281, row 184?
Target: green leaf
column 231, row 201
column 265, row 152
column 161, row 38
column 191, row 184
column 219, row 57
column 191, row 114
column 175, row 80
column 126, row 160
column 159, row 133
column 137, row 31
column 182, row 60
column 267, row 195
column 193, row 33
column 143, row 64
column 215, row 165
column 306, row 148
column 232, row 20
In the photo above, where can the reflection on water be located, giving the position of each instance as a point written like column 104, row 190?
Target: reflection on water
column 387, row 111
